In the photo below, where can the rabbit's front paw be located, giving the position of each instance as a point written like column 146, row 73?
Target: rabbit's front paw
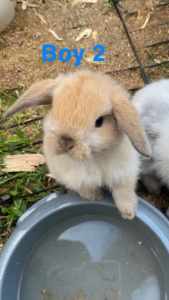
column 128, row 210
column 126, row 202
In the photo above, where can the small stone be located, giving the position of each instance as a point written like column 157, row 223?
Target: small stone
column 36, row 36
column 5, row 198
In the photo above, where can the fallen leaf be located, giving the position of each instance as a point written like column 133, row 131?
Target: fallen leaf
column 42, row 19
column 84, row 34
column 146, row 21
column 95, row 35
column 156, row 60
column 75, row 2
column 56, row 36
column 24, row 5
column 28, row 190
column 23, row 162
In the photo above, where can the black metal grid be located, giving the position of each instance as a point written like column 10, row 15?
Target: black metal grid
column 142, row 68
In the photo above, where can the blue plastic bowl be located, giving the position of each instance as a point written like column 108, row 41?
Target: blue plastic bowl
column 64, row 248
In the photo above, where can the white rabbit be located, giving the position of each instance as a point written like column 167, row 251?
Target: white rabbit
column 152, row 103
column 89, row 134
column 7, row 12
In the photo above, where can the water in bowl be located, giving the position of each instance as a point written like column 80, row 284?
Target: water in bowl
column 92, row 259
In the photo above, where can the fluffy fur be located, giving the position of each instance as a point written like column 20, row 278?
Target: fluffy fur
column 80, row 154
column 152, row 103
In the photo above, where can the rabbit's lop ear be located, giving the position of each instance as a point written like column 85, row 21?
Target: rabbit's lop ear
column 39, row 93
column 129, row 122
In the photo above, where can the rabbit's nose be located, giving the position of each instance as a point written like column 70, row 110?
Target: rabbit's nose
column 66, row 142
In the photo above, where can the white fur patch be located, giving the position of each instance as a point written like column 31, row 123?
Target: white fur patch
column 152, row 103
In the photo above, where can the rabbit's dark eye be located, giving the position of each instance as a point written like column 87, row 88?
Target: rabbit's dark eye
column 99, row 122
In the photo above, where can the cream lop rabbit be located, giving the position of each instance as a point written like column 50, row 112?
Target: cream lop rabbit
column 89, row 134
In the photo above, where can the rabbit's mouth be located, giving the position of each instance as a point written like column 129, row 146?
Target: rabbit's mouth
column 78, row 151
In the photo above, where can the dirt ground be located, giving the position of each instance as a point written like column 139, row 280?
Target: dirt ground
column 20, row 45
column 21, row 65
